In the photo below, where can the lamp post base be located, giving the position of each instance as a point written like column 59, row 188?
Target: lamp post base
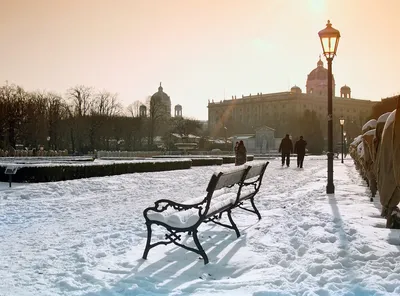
column 330, row 188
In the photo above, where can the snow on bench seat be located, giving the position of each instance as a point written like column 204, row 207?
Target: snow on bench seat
column 189, row 217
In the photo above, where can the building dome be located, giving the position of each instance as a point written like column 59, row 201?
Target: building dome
column 345, row 92
column 295, row 89
column 319, row 73
column 163, row 98
column 345, row 87
column 178, row 110
column 317, row 80
column 142, row 110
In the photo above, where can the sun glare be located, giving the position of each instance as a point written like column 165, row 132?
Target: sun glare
column 317, row 6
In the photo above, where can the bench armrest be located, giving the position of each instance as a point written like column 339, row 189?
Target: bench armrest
column 175, row 205
column 168, row 208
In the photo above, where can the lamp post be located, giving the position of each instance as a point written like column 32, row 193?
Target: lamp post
column 329, row 40
column 341, row 131
column 226, row 137
column 344, row 141
column 48, row 142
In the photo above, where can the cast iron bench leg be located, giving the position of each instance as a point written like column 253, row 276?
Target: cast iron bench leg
column 233, row 223
column 255, row 209
column 199, row 247
column 147, row 249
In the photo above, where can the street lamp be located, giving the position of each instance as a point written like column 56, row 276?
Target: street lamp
column 48, row 142
column 329, row 40
column 341, row 131
column 345, row 142
column 226, row 137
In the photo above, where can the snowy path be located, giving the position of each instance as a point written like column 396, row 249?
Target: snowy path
column 86, row 237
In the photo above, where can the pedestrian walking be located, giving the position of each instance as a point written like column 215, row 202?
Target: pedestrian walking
column 241, row 154
column 286, row 148
column 300, row 150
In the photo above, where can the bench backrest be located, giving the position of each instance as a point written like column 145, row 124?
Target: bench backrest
column 230, row 178
column 257, row 170
column 256, row 173
column 221, row 179
column 237, row 175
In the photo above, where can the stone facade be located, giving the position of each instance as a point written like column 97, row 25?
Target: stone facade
column 279, row 110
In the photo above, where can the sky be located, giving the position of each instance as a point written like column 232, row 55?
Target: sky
column 199, row 49
column 86, row 237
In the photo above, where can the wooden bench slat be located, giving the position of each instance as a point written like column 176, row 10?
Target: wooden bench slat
column 254, row 171
column 229, row 179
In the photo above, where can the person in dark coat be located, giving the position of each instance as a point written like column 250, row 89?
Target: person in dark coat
column 300, row 149
column 286, row 148
column 241, row 154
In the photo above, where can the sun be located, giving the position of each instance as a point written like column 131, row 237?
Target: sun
column 317, row 6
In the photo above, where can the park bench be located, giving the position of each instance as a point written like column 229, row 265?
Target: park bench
column 226, row 190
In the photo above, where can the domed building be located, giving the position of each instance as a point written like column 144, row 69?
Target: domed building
column 160, row 102
column 282, row 111
column 296, row 90
column 317, row 81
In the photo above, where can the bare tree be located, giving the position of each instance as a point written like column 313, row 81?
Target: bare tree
column 13, row 98
column 185, row 126
column 81, row 99
column 104, row 109
column 134, row 108
column 35, row 127
column 106, row 103
column 56, row 112
column 139, row 125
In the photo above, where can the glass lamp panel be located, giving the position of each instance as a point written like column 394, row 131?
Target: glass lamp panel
column 329, row 40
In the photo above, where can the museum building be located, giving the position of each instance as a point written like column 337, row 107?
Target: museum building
column 278, row 111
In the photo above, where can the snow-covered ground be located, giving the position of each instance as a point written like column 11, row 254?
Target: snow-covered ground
column 86, row 237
